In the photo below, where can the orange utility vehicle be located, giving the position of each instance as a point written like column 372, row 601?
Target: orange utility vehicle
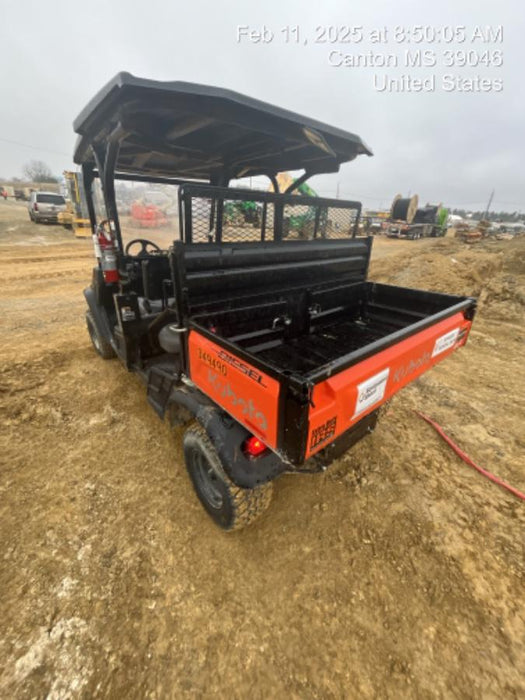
column 275, row 348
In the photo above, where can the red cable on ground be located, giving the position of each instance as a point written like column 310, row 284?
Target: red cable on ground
column 467, row 459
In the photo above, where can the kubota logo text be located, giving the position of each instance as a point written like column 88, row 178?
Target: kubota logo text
column 248, row 408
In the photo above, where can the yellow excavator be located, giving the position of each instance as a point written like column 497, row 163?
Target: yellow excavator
column 75, row 217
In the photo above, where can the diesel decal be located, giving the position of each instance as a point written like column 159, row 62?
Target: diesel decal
column 323, row 432
column 413, row 365
column 247, row 407
column 245, row 369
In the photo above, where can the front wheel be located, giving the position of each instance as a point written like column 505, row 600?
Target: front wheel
column 231, row 507
column 100, row 344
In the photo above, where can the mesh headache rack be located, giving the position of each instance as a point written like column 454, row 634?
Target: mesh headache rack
column 225, row 215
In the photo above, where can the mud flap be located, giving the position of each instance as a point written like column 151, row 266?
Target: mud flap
column 160, row 385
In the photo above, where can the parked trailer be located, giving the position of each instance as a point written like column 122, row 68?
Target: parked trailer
column 278, row 350
column 428, row 221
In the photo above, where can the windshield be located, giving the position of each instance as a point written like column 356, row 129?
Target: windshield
column 50, row 199
column 148, row 211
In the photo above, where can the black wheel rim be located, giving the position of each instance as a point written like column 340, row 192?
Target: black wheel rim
column 207, row 480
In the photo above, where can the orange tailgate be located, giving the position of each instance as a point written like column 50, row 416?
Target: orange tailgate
column 345, row 398
column 243, row 391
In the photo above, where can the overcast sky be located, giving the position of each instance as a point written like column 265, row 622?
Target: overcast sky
column 449, row 146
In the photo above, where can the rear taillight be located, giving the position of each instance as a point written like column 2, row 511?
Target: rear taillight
column 35, row 206
column 253, row 447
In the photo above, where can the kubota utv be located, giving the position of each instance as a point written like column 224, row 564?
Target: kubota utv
column 272, row 347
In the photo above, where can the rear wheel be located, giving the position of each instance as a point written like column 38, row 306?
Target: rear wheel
column 231, row 507
column 100, row 344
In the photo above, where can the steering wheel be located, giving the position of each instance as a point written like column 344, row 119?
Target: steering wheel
column 144, row 243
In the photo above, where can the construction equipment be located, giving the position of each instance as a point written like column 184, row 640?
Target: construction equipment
column 411, row 221
column 76, row 216
column 148, row 215
column 302, row 223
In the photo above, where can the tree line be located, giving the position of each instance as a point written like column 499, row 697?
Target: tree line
column 34, row 171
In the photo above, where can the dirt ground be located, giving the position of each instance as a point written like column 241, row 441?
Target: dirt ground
column 398, row 573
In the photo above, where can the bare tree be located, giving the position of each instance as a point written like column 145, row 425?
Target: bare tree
column 38, row 171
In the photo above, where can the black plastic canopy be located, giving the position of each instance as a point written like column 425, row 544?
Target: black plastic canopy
column 197, row 132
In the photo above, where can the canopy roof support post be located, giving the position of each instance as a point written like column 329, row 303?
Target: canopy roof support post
column 274, row 182
column 300, row 180
column 106, row 163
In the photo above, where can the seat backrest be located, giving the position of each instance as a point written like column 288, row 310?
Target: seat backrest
column 156, row 272
column 229, row 270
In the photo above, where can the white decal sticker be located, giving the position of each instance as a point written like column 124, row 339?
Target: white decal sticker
column 445, row 342
column 371, row 391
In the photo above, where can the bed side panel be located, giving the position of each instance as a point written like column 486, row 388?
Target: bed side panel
column 342, row 400
column 243, row 391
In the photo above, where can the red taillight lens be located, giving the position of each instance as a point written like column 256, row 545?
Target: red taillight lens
column 35, row 206
column 253, row 447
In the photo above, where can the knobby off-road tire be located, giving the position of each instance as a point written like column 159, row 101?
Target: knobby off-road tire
column 231, row 507
column 101, row 345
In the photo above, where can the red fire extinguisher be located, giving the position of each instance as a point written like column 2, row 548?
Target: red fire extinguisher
column 106, row 251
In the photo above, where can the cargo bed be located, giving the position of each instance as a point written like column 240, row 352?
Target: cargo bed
column 340, row 326
column 303, row 365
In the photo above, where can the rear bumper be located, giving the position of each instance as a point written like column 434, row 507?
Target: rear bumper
column 48, row 218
